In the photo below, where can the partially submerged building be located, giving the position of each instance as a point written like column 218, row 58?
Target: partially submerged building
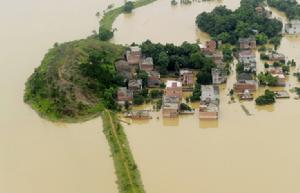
column 276, row 57
column 123, row 95
column 247, row 43
column 248, row 59
column 174, row 89
column 219, row 76
column 278, row 72
column 187, row 78
column 209, row 102
column 293, row 27
column 170, row 107
column 245, row 82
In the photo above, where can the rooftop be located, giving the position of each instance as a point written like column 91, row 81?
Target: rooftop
column 173, row 84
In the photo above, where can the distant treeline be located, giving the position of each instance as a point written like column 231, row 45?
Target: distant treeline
column 228, row 26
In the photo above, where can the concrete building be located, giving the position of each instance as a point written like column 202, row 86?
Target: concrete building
column 146, row 64
column 135, row 85
column 153, row 79
column 244, row 83
column 123, row 95
column 278, row 72
column 293, row 27
column 209, row 102
column 276, row 57
column 248, row 59
column 174, row 89
column 247, row 43
column 134, row 55
column 187, row 78
column 219, row 76
column 170, row 107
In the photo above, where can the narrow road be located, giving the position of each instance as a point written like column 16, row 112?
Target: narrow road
column 113, row 127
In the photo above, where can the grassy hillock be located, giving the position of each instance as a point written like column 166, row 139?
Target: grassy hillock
column 75, row 81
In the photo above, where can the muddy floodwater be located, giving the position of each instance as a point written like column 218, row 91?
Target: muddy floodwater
column 237, row 153
column 37, row 156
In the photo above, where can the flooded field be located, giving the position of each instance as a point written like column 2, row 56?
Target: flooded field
column 35, row 155
column 237, row 153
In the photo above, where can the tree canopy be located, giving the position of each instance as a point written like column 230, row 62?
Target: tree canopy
column 228, row 26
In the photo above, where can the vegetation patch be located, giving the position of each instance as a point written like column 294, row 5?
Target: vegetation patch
column 129, row 180
column 267, row 99
column 75, row 81
column 228, row 26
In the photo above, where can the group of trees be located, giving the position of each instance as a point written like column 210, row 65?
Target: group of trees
column 228, row 26
column 171, row 58
column 290, row 7
column 267, row 99
column 267, row 79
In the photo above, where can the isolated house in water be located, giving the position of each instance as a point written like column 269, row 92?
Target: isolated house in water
column 209, row 102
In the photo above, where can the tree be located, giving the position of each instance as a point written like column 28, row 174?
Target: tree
column 144, row 76
column 267, row 79
column 105, row 34
column 266, row 99
column 163, row 62
column 128, row 7
column 261, row 39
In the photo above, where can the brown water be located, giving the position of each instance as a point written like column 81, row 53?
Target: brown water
column 238, row 153
column 35, row 155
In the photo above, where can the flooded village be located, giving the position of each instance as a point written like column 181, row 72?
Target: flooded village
column 245, row 144
column 223, row 142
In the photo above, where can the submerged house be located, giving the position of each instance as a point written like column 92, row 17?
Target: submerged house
column 293, row 27
column 123, row 95
column 219, row 76
column 247, row 43
column 209, row 102
column 174, row 89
